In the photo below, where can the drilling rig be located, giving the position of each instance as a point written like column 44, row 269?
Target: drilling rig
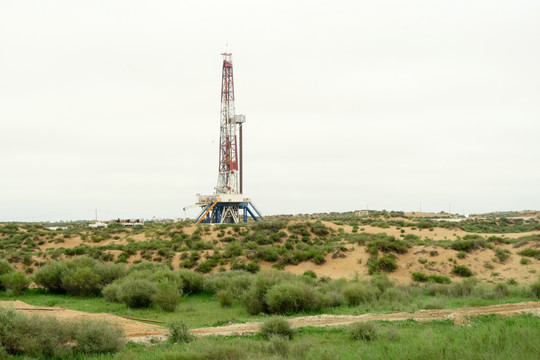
column 228, row 203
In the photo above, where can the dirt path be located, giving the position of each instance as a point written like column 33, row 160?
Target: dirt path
column 457, row 315
column 144, row 333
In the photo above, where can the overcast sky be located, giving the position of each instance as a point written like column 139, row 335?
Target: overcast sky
column 114, row 105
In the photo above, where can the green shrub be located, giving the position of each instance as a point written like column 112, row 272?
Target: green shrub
column 461, row 254
column 332, row 298
column 83, row 281
column 387, row 244
column 50, row 276
column 81, row 276
column 534, row 253
column 34, row 336
column 253, row 302
column 276, row 326
column 15, row 282
column 500, row 290
column 109, row 272
column 396, row 295
column 147, row 266
column 463, row 288
column 502, row 255
column 137, row 293
column 292, row 297
column 110, row 292
column 439, row 279
column 253, row 267
column 192, row 282
column 5, row 267
column 419, row 277
column 363, row 331
column 381, row 282
column 167, row 295
column 462, row 271
column 225, row 298
column 98, row 337
column 179, row 332
column 469, row 243
column 254, row 298
column 535, row 289
column 310, row 273
column 356, row 294
column 524, row 261
column 385, row 263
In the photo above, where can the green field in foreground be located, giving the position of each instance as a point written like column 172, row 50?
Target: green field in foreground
column 487, row 337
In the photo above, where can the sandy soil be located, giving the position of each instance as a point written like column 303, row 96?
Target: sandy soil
column 143, row 332
column 441, row 263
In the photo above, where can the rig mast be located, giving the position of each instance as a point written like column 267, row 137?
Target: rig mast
column 228, row 151
column 228, row 204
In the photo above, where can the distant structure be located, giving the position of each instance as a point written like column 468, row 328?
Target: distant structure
column 228, row 204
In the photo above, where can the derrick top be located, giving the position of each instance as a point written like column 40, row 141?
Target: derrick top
column 227, row 59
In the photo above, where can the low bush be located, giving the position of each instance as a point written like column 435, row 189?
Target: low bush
column 192, row 282
column 291, row 297
column 355, row 294
column 502, row 255
column 276, row 326
column 439, row 279
column 534, row 253
column 15, row 282
column 44, row 337
column 225, row 298
column 462, row 271
column 363, row 331
column 167, row 295
column 254, row 297
column 500, row 290
column 5, row 267
column 236, row 281
column 50, row 275
column 535, row 289
column 419, row 277
column 463, row 288
column 381, row 282
column 470, row 243
column 137, row 293
column 81, row 276
column 110, row 292
column 83, row 281
column 387, row 244
column 179, row 332
column 147, row 266
column 385, row 263
column 98, row 337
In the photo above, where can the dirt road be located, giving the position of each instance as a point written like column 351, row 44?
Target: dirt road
column 143, row 332
column 457, row 315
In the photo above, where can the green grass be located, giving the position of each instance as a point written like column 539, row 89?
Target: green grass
column 204, row 309
column 196, row 310
column 487, row 337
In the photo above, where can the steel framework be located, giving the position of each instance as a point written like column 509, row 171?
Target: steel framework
column 228, row 151
column 228, row 205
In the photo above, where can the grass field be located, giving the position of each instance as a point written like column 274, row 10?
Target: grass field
column 487, row 337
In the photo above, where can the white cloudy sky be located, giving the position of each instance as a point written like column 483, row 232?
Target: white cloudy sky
column 114, row 105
